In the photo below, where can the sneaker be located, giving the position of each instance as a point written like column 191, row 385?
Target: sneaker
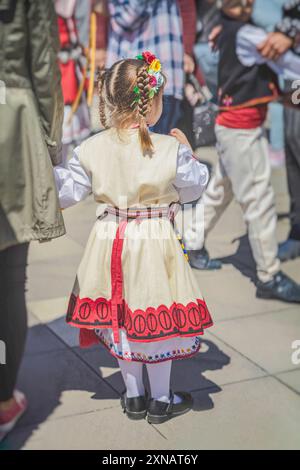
column 281, row 287
column 290, row 249
column 9, row 418
column 200, row 259
column 159, row 411
column 135, row 407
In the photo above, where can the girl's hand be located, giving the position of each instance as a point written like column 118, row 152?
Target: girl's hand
column 180, row 136
column 213, row 37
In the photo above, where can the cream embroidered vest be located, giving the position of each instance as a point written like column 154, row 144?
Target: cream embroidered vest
column 122, row 176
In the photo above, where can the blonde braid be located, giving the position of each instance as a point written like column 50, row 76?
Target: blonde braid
column 102, row 104
column 144, row 88
column 144, row 105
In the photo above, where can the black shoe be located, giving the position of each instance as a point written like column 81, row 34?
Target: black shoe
column 135, row 408
column 281, row 287
column 159, row 412
column 200, row 259
column 290, row 249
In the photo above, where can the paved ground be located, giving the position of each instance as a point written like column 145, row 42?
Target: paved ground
column 245, row 386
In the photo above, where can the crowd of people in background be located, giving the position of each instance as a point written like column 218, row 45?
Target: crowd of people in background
column 242, row 60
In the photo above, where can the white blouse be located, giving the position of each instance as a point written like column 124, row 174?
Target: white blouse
column 74, row 185
column 249, row 37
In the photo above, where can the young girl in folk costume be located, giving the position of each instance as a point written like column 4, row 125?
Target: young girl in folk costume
column 135, row 292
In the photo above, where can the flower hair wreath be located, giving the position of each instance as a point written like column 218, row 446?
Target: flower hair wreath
column 156, row 79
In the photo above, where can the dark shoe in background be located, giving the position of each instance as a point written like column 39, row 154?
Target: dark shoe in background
column 281, row 287
column 290, row 249
column 200, row 259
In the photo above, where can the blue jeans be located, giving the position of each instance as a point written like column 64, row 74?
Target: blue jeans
column 276, row 126
column 208, row 62
column 266, row 14
column 170, row 115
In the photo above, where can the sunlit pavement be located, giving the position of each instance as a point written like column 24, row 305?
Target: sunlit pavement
column 245, row 385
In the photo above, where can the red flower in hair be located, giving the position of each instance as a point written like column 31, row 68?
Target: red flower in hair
column 152, row 81
column 148, row 57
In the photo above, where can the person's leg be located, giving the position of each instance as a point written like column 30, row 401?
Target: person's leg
column 159, row 377
column 214, row 201
column 133, row 400
column 291, row 248
column 219, row 192
column 276, row 126
column 13, row 316
column 250, row 173
column 164, row 404
column 132, row 373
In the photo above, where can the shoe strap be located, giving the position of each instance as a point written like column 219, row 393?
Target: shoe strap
column 170, row 404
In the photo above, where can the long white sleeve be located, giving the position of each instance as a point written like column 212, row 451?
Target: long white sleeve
column 249, row 37
column 73, row 184
column 192, row 176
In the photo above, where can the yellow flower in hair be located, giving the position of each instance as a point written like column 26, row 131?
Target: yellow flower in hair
column 155, row 65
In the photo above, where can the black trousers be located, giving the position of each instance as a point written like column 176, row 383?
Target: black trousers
column 13, row 314
column 292, row 149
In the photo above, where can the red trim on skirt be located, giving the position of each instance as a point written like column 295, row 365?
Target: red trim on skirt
column 152, row 324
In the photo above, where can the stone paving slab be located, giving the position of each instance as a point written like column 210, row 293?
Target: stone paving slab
column 40, row 339
column 240, row 416
column 266, row 339
column 255, row 414
column 231, row 295
column 106, row 429
column 53, row 278
column 216, row 364
column 54, row 249
column 58, row 384
column 291, row 378
column 47, row 310
column 52, row 312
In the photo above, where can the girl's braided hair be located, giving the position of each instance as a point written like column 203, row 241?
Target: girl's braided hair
column 119, row 107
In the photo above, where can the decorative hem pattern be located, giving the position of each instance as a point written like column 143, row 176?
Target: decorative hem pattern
column 152, row 324
column 154, row 359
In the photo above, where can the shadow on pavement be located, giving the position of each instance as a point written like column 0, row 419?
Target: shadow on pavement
column 243, row 259
column 68, row 381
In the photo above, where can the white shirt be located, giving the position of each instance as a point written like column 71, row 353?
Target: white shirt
column 249, row 37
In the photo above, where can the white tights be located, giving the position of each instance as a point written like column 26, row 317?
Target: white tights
column 159, row 377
